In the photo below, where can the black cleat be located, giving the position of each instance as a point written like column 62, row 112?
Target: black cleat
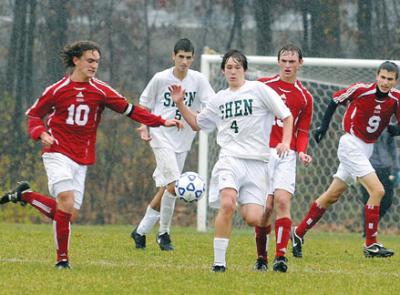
column 261, row 264
column 164, row 241
column 377, row 250
column 140, row 240
column 297, row 243
column 15, row 195
column 63, row 264
column 280, row 264
column 218, row 268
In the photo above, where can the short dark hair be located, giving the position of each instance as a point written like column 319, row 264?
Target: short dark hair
column 236, row 55
column 185, row 45
column 76, row 49
column 290, row 47
column 390, row 67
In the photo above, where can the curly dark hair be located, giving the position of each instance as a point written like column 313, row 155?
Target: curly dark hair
column 76, row 49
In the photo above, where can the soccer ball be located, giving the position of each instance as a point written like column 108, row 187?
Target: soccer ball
column 190, row 187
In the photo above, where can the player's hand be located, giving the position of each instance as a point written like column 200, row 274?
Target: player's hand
column 47, row 139
column 174, row 122
column 306, row 159
column 177, row 93
column 282, row 149
column 319, row 134
column 143, row 131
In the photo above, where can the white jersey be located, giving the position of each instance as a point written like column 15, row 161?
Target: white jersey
column 244, row 119
column 157, row 98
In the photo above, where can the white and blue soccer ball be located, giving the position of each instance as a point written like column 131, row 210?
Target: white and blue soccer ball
column 190, row 187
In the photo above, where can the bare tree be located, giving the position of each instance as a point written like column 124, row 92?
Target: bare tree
column 325, row 27
column 236, row 28
column 263, row 16
column 57, row 18
column 364, row 24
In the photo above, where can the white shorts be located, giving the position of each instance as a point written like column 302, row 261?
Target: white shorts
column 248, row 177
column 169, row 166
column 282, row 172
column 63, row 175
column 353, row 154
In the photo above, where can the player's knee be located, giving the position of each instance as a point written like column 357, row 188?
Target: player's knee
column 282, row 205
column 228, row 206
column 66, row 201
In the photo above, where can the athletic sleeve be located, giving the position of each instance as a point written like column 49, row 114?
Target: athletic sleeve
column 37, row 112
column 149, row 94
column 208, row 117
column 347, row 94
column 119, row 104
column 303, row 125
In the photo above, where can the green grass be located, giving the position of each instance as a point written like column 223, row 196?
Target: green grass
column 105, row 262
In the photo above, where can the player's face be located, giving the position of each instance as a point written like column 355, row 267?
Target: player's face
column 183, row 60
column 386, row 80
column 289, row 64
column 234, row 73
column 86, row 65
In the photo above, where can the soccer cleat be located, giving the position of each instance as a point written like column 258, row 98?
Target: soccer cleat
column 63, row 264
column 377, row 250
column 15, row 195
column 164, row 241
column 140, row 240
column 261, row 264
column 297, row 243
column 280, row 264
column 218, row 268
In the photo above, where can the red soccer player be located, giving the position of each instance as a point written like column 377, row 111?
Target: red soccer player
column 73, row 107
column 369, row 109
column 282, row 171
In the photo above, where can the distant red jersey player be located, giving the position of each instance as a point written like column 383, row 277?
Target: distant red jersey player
column 65, row 118
column 282, row 171
column 369, row 109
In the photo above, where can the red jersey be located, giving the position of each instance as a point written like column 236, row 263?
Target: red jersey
column 73, row 111
column 367, row 115
column 299, row 101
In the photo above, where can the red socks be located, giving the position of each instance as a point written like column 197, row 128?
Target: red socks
column 313, row 216
column 62, row 229
column 261, row 240
column 282, row 235
column 45, row 205
column 371, row 224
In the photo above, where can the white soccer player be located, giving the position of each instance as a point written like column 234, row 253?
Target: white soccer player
column 243, row 115
column 73, row 107
column 283, row 170
column 170, row 147
column 368, row 113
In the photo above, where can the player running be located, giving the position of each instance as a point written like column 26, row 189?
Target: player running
column 368, row 113
column 170, row 146
column 282, row 171
column 243, row 115
column 73, row 107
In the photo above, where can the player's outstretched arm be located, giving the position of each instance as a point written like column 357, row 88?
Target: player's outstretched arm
column 320, row 132
column 178, row 94
column 287, row 129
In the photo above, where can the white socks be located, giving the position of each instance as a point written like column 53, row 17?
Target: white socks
column 148, row 221
column 220, row 247
column 167, row 210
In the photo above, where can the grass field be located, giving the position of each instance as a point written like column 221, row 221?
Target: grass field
column 105, row 262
